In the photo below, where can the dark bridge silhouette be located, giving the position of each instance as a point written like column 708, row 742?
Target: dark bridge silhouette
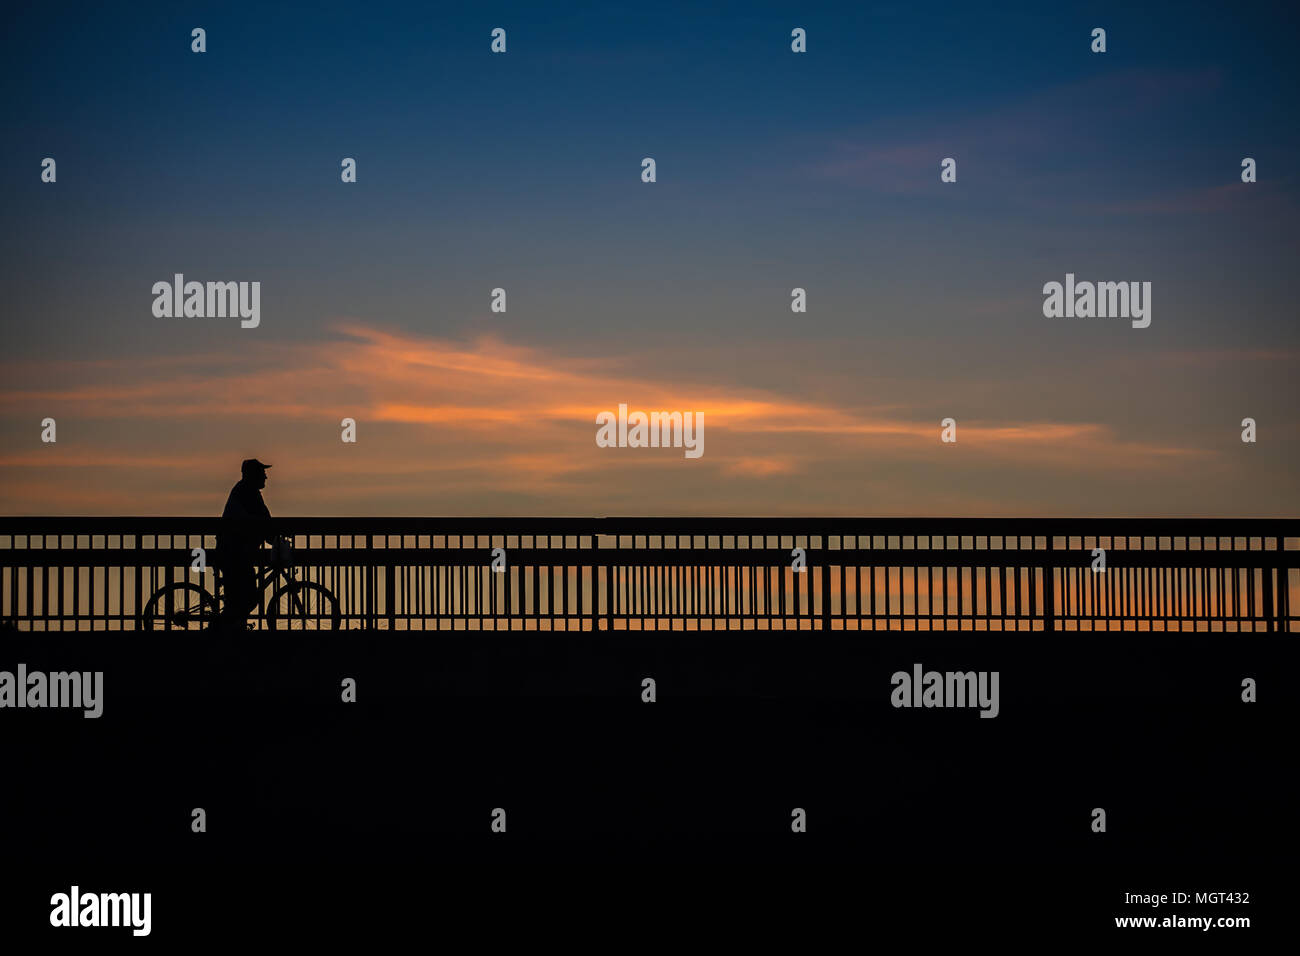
column 1009, row 574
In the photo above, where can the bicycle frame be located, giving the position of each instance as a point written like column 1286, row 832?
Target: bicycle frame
column 268, row 577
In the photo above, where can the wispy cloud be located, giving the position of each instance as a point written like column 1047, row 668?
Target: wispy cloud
column 1017, row 146
column 484, row 426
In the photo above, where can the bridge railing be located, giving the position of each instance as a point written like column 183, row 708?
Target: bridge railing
column 1010, row 574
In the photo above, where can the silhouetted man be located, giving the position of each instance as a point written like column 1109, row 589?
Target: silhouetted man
column 243, row 529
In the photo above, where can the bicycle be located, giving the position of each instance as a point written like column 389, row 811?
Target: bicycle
column 294, row 604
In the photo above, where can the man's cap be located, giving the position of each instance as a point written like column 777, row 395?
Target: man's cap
column 252, row 464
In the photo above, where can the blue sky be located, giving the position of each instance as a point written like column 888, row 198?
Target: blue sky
column 775, row 170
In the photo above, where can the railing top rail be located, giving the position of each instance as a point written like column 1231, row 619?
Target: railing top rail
column 1117, row 527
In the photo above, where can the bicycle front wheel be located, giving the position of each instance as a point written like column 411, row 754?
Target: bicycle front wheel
column 303, row 606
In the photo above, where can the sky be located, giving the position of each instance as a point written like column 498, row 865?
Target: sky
column 775, row 170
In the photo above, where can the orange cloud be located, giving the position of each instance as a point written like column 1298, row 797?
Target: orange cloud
column 493, row 428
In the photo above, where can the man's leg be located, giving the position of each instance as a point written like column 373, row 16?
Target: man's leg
column 250, row 593
column 241, row 596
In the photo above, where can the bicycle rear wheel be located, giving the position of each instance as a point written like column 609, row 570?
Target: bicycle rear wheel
column 179, row 607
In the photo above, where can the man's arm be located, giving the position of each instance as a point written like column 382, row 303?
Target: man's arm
column 264, row 514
